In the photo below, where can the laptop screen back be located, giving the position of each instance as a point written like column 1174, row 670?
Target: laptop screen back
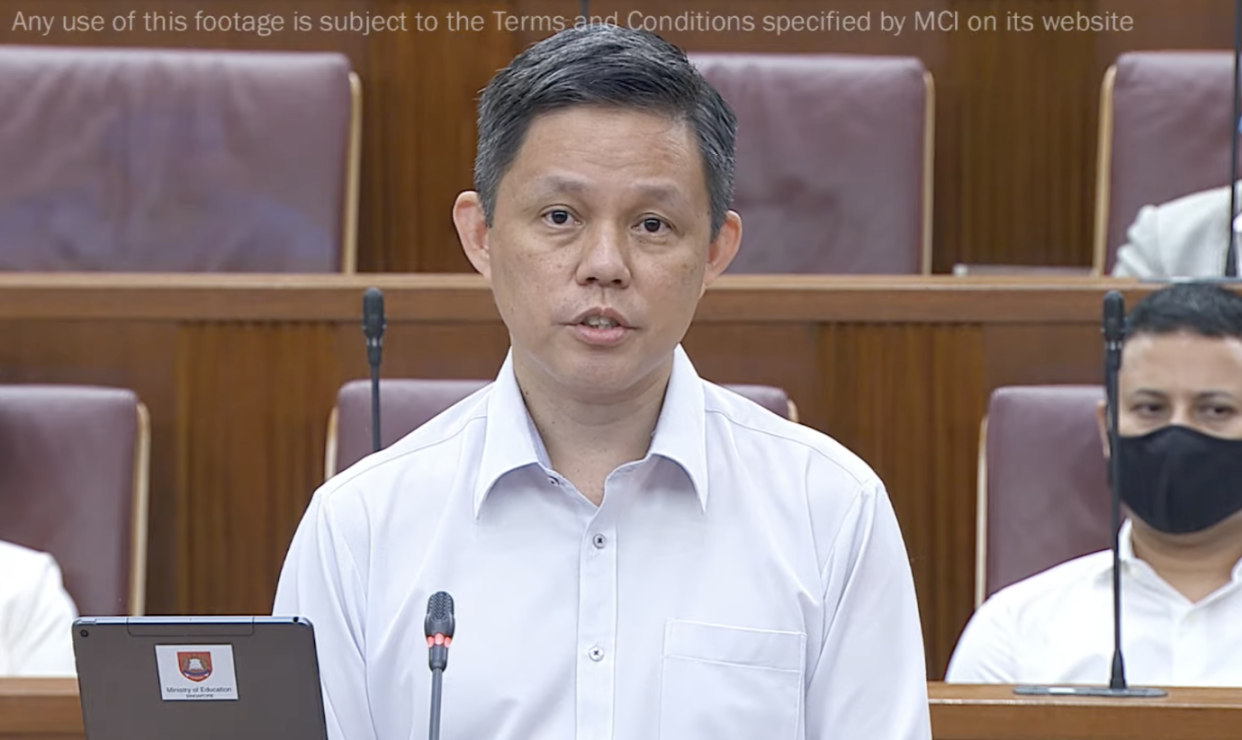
column 199, row 678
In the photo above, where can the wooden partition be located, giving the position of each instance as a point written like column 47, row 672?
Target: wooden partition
column 49, row 709
column 1015, row 120
column 240, row 375
column 962, row 712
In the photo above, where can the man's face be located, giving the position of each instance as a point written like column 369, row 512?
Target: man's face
column 1183, row 379
column 604, row 214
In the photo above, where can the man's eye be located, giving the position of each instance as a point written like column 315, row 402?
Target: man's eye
column 652, row 225
column 560, row 217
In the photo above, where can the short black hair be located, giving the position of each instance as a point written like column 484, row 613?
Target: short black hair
column 1206, row 309
column 603, row 65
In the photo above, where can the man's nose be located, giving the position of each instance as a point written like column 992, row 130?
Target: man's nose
column 604, row 258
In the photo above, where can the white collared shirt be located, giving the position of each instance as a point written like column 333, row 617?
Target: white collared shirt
column 746, row 580
column 1057, row 628
column 36, row 615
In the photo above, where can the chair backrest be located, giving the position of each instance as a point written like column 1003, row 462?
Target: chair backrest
column 834, row 161
column 406, row 404
column 1166, row 130
column 1043, row 483
column 145, row 160
column 73, row 483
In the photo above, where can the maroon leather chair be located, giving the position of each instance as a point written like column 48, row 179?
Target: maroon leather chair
column 1166, row 129
column 73, row 483
column 407, row 404
column 1043, row 483
column 834, row 161
column 143, row 160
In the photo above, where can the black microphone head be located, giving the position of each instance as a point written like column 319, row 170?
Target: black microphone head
column 1114, row 317
column 440, row 620
column 373, row 313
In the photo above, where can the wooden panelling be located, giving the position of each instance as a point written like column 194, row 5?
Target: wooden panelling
column 964, row 712
column 240, row 375
column 49, row 709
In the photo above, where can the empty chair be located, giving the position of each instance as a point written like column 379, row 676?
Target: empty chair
column 73, row 483
column 139, row 160
column 1166, row 130
column 407, row 404
column 834, row 161
column 1043, row 483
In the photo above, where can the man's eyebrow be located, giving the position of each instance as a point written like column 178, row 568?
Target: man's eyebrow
column 1214, row 394
column 662, row 193
column 551, row 184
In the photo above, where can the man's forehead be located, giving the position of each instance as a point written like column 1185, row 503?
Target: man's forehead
column 1183, row 358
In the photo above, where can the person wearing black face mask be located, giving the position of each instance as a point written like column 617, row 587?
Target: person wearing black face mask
column 1180, row 448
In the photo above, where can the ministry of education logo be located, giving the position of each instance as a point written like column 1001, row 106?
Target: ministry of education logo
column 194, row 666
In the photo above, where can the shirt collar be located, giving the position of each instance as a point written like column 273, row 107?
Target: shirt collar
column 511, row 440
column 1125, row 551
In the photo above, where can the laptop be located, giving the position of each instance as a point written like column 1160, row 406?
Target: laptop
column 198, row 678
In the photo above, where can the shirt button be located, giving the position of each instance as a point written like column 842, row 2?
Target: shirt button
column 600, row 541
column 596, row 653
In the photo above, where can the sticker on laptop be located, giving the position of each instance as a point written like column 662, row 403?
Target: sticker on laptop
column 196, row 672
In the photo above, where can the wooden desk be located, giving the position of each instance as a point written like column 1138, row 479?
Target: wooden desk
column 962, row 712
column 48, row 709
column 40, row 709
column 240, row 373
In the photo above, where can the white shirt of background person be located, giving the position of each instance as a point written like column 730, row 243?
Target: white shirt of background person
column 36, row 615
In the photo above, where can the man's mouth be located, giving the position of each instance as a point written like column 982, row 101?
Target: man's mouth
column 600, row 322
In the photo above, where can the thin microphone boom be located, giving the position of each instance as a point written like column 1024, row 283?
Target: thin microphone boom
column 1114, row 330
column 1114, row 337
column 373, row 325
column 1231, row 257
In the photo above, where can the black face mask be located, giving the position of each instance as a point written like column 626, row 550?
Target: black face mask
column 1179, row 480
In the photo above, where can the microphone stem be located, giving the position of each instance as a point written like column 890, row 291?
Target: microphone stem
column 1231, row 257
column 375, row 408
column 1118, row 678
column 437, row 681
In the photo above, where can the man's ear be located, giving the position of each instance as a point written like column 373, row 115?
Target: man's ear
column 723, row 249
column 472, row 231
column 1101, row 420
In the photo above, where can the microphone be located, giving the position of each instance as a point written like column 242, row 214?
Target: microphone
column 1231, row 256
column 438, row 626
column 1113, row 326
column 373, row 325
column 1114, row 336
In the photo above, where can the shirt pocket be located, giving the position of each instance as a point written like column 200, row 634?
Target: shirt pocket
column 730, row 683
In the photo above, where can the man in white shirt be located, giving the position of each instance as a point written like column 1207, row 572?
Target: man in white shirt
column 1180, row 421
column 1187, row 237
column 634, row 553
column 36, row 615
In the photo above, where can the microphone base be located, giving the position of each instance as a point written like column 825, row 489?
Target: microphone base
column 1129, row 692
column 1220, row 279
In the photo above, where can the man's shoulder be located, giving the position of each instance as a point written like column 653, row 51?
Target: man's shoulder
column 781, row 441
column 1202, row 207
column 1043, row 589
column 24, row 568
column 424, row 450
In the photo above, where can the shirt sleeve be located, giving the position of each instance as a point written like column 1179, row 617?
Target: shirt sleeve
column 1140, row 256
column 985, row 651
column 320, row 581
column 40, row 624
column 870, row 680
